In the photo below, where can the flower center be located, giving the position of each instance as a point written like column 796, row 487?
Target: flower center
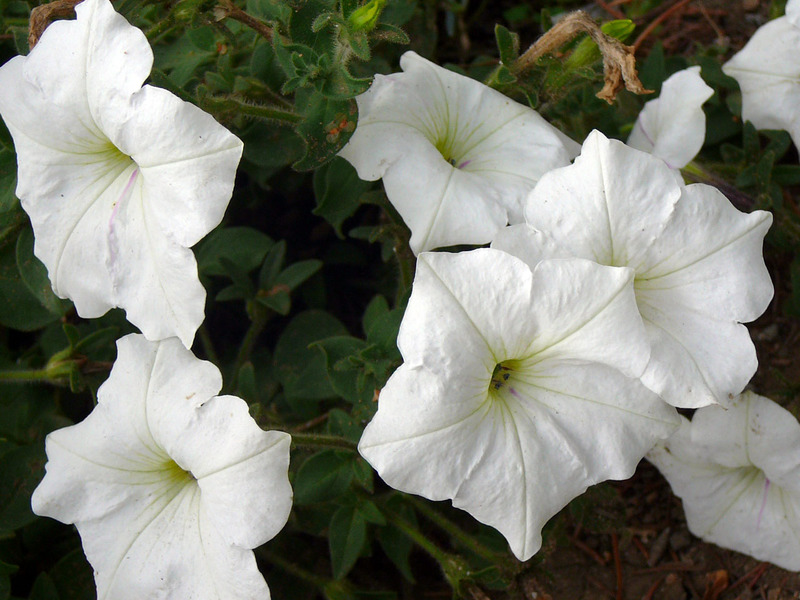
column 178, row 475
column 502, row 382
column 446, row 145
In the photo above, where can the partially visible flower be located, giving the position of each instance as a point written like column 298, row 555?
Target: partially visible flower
column 699, row 266
column 457, row 158
column 768, row 74
column 515, row 393
column 738, row 473
column 169, row 487
column 119, row 180
column 673, row 126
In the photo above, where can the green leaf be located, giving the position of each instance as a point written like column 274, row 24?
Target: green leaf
column 327, row 126
column 244, row 246
column 301, row 27
column 269, row 9
column 19, row 308
column 301, row 369
column 338, row 83
column 507, row 44
column 323, row 476
column 239, row 276
column 377, row 307
column 786, row 175
column 277, row 299
column 73, row 577
column 396, row 544
column 347, row 535
column 390, row 33
column 338, row 191
column 21, row 470
column 273, row 264
column 44, row 589
column 371, row 513
column 297, row 273
column 34, row 275
column 653, row 71
column 345, row 382
column 342, row 424
column 8, row 180
column 246, row 387
column 185, row 56
column 6, row 570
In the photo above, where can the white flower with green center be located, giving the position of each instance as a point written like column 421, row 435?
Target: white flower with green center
column 517, row 391
column 768, row 74
column 673, row 126
column 457, row 158
column 738, row 473
column 169, row 485
column 698, row 261
column 119, row 180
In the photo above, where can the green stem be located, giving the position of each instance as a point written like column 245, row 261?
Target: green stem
column 252, row 110
column 293, row 569
column 31, row 376
column 439, row 555
column 208, row 345
column 454, row 530
column 316, row 440
column 260, row 317
column 158, row 28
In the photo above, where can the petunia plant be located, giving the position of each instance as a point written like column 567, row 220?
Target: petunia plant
column 251, row 345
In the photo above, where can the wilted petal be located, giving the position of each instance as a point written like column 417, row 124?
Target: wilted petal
column 457, row 157
column 95, row 148
column 169, row 487
column 768, row 73
column 508, row 402
column 738, row 473
column 699, row 267
column 673, row 126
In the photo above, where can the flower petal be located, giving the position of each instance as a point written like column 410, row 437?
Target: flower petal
column 187, row 168
column 769, row 75
column 595, row 208
column 722, row 464
column 673, row 126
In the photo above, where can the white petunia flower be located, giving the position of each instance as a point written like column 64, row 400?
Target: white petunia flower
column 514, row 396
column 673, row 126
column 169, row 485
column 768, row 74
column 738, row 473
column 119, row 180
column 457, row 158
column 699, row 267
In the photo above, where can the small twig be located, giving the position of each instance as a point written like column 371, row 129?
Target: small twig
column 654, row 588
column 227, row 9
column 42, row 16
column 617, row 564
column 617, row 14
column 313, row 422
column 619, row 65
column 753, row 574
column 657, row 21
column 589, row 551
